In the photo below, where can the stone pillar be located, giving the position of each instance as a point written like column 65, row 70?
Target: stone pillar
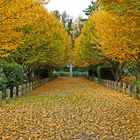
column 14, row 92
column 31, row 86
column 19, row 90
column 8, row 95
column 0, row 98
column 24, row 89
column 104, row 82
column 119, row 87
column 112, row 84
column 36, row 83
column 124, row 87
column 107, row 83
column 115, row 85
column 136, row 95
column 28, row 87
column 130, row 90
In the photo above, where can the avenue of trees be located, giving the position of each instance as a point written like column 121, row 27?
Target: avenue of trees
column 39, row 41
column 111, row 38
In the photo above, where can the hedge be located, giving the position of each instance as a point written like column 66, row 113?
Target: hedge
column 11, row 74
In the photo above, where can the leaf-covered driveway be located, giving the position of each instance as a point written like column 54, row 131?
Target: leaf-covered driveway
column 71, row 109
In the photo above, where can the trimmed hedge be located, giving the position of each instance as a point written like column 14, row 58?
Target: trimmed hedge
column 80, row 73
column 11, row 74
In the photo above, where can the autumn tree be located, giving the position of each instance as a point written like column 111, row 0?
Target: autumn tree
column 119, row 21
column 111, row 32
column 46, row 43
column 86, row 47
column 14, row 14
column 123, row 20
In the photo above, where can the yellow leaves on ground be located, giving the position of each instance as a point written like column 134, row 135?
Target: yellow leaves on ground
column 65, row 109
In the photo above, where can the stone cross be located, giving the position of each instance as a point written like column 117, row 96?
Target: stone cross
column 71, row 69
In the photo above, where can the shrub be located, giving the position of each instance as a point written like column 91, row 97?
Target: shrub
column 80, row 73
column 93, row 71
column 12, row 75
column 60, row 73
column 104, row 73
column 127, row 79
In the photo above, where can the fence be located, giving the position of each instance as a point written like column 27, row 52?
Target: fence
column 22, row 90
column 129, row 89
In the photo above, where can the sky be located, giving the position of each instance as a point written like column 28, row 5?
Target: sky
column 74, row 8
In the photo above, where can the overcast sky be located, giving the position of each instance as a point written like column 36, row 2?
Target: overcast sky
column 74, row 8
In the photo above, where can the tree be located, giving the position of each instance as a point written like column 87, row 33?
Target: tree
column 14, row 14
column 112, row 34
column 86, row 47
column 92, row 7
column 67, row 21
column 56, row 14
column 119, row 21
column 46, row 43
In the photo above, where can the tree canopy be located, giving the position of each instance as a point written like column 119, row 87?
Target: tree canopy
column 112, row 31
column 32, row 35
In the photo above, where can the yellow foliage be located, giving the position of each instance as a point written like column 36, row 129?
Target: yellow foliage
column 45, row 42
column 14, row 14
column 127, row 79
column 86, row 50
column 112, row 32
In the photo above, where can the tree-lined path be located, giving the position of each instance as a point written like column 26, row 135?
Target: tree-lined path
column 70, row 109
